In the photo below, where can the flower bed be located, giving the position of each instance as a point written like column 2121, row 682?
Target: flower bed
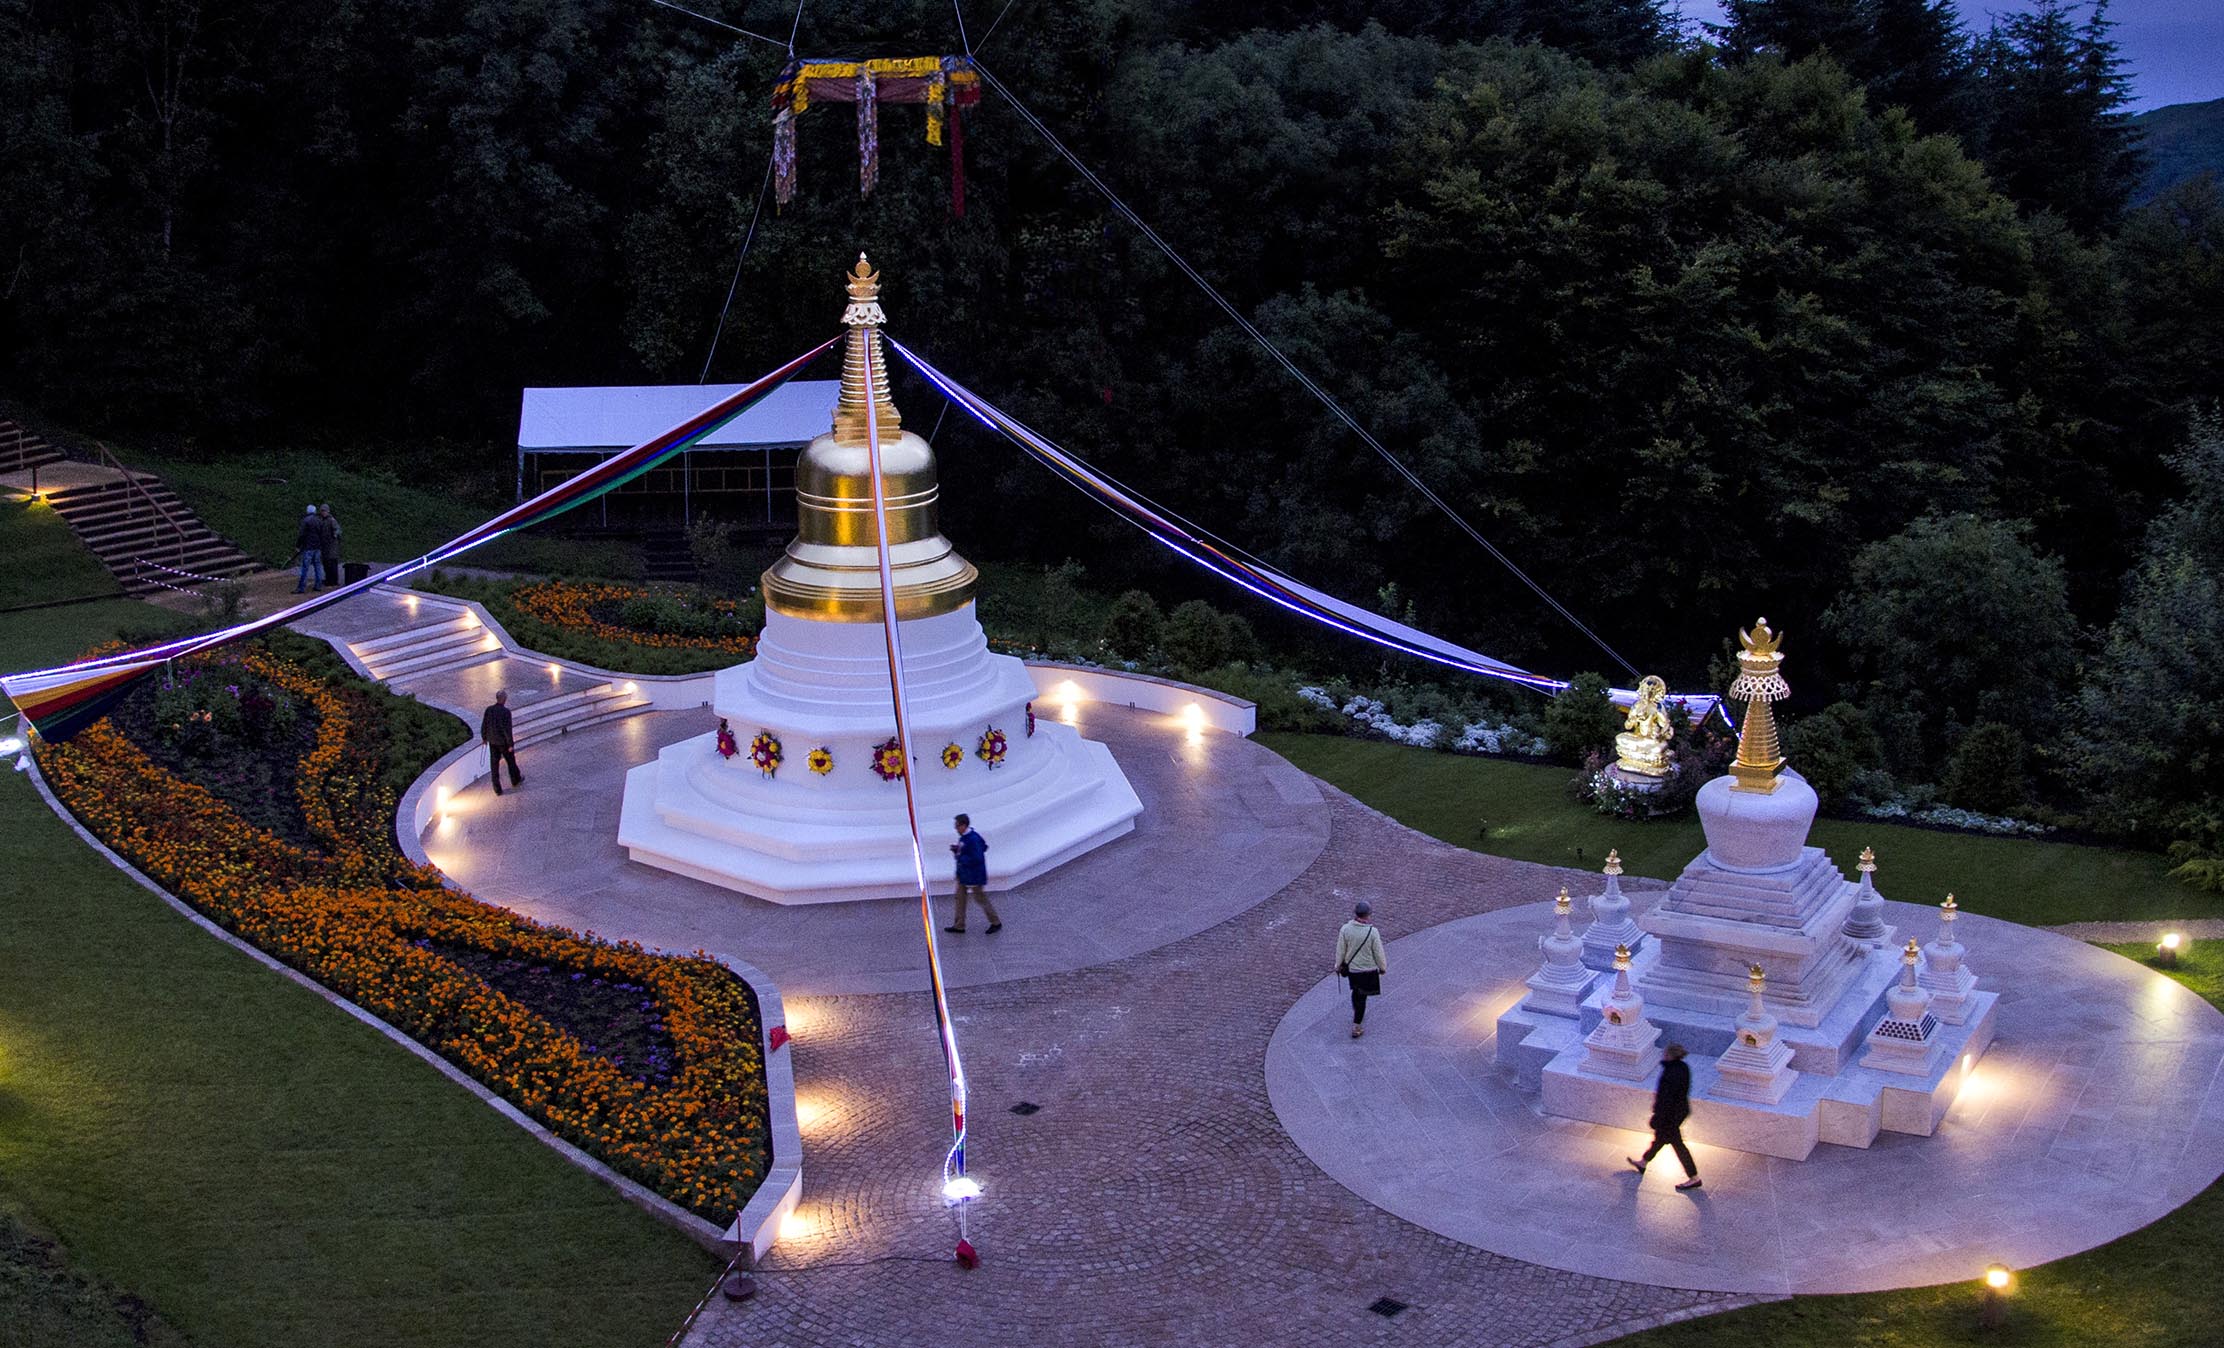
column 668, row 619
column 649, row 1062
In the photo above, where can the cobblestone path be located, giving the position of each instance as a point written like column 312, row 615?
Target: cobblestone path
column 1152, row 1198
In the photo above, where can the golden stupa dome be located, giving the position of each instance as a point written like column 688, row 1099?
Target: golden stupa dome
column 831, row 572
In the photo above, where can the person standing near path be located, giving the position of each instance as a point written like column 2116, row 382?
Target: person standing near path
column 1671, row 1106
column 1360, row 958
column 331, row 546
column 308, row 542
column 501, row 741
column 971, row 851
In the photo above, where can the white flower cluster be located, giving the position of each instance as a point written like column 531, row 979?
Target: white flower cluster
column 1946, row 816
column 1374, row 716
column 1504, row 738
column 1476, row 737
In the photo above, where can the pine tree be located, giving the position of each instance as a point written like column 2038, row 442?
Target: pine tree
column 2059, row 137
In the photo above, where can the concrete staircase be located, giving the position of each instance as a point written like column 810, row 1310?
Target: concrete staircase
column 433, row 647
column 549, row 717
column 138, row 527
column 426, row 659
column 21, row 451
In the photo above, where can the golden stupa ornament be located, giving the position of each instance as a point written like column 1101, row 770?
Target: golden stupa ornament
column 1613, row 861
column 831, row 572
column 1642, row 747
column 1868, row 863
column 1562, row 905
column 1759, row 683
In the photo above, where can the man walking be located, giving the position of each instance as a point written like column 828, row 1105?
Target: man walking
column 308, row 541
column 329, row 547
column 971, row 851
column 501, row 742
column 1361, row 960
column 1671, row 1106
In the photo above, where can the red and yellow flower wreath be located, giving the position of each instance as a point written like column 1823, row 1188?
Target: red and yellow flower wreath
column 992, row 747
column 726, row 746
column 764, row 751
column 821, row 760
column 888, row 760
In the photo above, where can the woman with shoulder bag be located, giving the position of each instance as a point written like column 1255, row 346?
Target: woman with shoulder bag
column 1360, row 959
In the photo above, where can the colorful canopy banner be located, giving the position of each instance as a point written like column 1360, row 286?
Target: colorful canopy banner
column 59, row 702
column 1232, row 564
column 943, row 83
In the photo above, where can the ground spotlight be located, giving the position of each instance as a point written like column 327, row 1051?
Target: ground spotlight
column 1993, row 1310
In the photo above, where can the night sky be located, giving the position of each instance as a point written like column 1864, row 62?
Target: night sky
column 2173, row 49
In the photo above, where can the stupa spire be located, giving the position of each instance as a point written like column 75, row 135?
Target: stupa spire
column 864, row 318
column 1759, row 683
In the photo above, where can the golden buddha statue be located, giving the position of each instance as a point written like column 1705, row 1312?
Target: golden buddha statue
column 1641, row 750
column 831, row 572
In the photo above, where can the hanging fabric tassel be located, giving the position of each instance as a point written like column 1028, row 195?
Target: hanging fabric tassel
column 783, row 157
column 957, row 161
column 938, row 89
column 868, row 133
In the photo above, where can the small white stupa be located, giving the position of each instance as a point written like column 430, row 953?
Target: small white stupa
column 1559, row 985
column 1757, row 1065
column 809, row 808
column 1945, row 976
column 1624, row 1044
column 1903, row 1041
column 1611, row 924
column 1865, row 923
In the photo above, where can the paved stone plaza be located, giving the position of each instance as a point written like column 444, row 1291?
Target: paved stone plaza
column 2097, row 1110
column 1156, row 1196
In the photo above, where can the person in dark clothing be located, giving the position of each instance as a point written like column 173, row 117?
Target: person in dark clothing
column 329, row 550
column 1671, row 1106
column 308, row 542
column 501, row 742
column 971, row 851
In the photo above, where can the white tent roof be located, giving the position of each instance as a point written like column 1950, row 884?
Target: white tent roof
column 622, row 416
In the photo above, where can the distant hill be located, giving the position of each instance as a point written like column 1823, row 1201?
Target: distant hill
column 2183, row 140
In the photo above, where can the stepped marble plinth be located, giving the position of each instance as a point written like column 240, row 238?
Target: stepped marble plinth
column 800, row 837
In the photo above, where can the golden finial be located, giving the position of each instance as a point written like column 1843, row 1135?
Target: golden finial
column 1621, row 958
column 1756, row 978
column 864, row 282
column 1759, row 683
column 864, row 318
column 1910, row 955
column 1868, row 860
column 1949, row 910
column 1562, row 904
column 1613, row 861
column 1761, row 642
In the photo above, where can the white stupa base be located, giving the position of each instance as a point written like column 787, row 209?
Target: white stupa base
column 1848, row 1109
column 804, row 837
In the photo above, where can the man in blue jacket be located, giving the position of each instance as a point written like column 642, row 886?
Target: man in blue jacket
column 971, row 850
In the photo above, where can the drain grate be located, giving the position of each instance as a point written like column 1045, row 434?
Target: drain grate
column 1387, row 1307
column 1026, row 1107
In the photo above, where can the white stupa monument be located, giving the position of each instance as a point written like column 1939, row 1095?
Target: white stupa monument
column 808, row 806
column 1838, row 1040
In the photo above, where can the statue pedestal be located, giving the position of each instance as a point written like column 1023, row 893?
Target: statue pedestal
column 1641, row 783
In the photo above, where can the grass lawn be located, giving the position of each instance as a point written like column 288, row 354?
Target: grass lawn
column 260, row 1167
column 1523, row 810
column 383, row 518
column 45, row 560
column 2155, row 1288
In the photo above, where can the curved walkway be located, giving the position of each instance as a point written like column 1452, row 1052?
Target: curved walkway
column 1225, row 824
column 2098, row 1109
